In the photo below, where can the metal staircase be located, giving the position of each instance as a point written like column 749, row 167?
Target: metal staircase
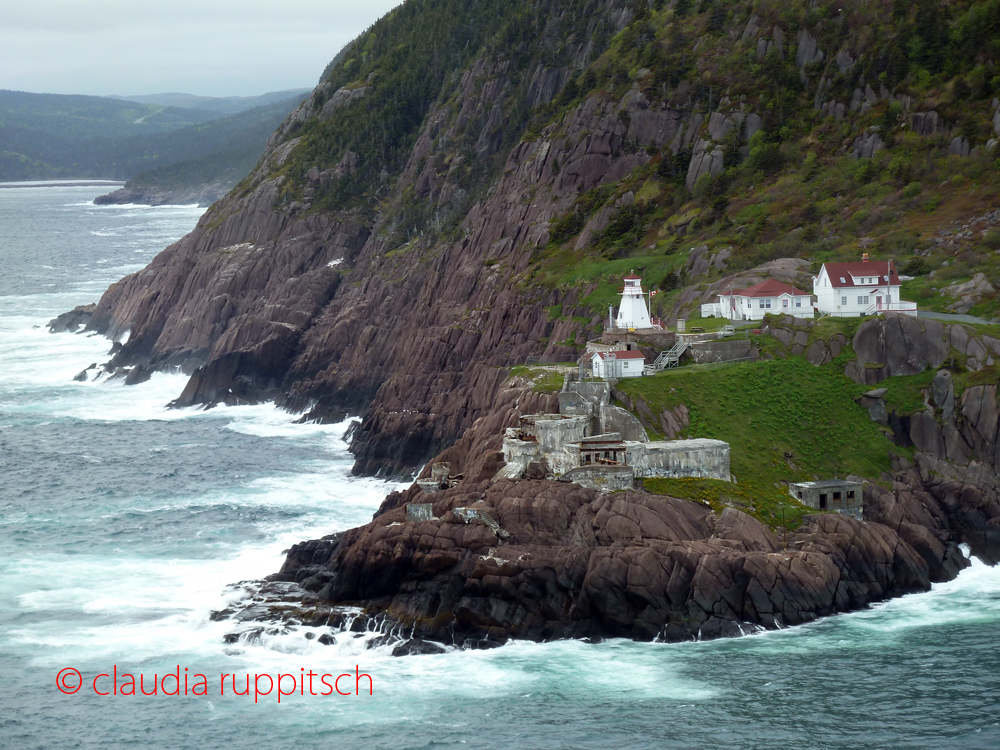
column 667, row 359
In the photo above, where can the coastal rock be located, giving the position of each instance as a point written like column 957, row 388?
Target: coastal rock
column 153, row 195
column 72, row 321
column 574, row 563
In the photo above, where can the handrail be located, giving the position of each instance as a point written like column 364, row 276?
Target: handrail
column 901, row 306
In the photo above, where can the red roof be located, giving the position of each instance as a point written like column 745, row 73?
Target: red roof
column 633, row 277
column 769, row 288
column 883, row 271
column 622, row 355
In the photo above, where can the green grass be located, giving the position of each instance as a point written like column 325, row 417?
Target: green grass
column 785, row 420
column 543, row 380
column 904, row 394
column 774, row 509
column 712, row 325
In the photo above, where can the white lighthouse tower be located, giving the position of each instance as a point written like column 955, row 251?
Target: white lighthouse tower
column 633, row 312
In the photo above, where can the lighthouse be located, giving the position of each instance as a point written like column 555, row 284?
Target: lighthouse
column 633, row 312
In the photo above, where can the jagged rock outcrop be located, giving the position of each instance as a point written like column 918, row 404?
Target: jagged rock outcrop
column 960, row 432
column 72, row 321
column 266, row 299
column 574, row 563
column 896, row 345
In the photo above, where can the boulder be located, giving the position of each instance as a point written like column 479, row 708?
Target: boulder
column 900, row 344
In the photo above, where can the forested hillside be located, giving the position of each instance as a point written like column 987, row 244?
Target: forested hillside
column 764, row 130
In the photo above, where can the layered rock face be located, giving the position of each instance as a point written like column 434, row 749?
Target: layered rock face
column 271, row 299
column 959, row 431
column 543, row 560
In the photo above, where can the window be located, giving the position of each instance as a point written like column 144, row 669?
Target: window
column 842, row 281
column 843, row 300
column 862, row 300
column 836, row 496
column 800, row 494
column 784, row 303
column 850, row 494
column 798, row 303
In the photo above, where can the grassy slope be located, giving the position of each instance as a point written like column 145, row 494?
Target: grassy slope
column 785, row 420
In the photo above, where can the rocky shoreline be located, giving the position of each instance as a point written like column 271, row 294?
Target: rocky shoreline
column 202, row 195
column 543, row 560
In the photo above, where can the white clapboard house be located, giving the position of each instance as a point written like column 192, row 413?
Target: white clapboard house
column 621, row 364
column 769, row 297
column 865, row 287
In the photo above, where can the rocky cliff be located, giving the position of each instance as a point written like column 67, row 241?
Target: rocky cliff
column 562, row 561
column 488, row 560
column 433, row 213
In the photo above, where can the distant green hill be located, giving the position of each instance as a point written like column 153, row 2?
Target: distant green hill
column 75, row 118
column 44, row 136
column 228, row 105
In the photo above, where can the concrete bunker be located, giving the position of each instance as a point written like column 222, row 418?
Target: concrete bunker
column 844, row 496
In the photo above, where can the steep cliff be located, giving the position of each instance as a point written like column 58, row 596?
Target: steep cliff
column 468, row 180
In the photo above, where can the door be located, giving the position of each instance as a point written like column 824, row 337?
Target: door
column 878, row 302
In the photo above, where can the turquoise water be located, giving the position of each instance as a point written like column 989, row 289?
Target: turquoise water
column 122, row 523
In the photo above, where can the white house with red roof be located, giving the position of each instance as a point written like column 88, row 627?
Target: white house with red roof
column 619, row 364
column 865, row 287
column 769, row 297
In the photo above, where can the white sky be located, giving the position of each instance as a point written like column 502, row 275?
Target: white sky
column 204, row 47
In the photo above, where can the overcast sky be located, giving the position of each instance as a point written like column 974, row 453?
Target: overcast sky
column 208, row 47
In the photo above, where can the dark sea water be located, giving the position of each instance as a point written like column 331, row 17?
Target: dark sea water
column 122, row 522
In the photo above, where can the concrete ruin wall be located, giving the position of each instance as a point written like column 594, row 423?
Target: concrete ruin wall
column 706, row 352
column 420, row 512
column 517, row 454
column 572, row 404
column 616, row 419
column 605, row 478
column 700, row 458
column 553, row 434
column 596, row 392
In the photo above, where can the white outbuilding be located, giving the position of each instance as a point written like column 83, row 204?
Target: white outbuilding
column 769, row 297
column 621, row 364
column 865, row 287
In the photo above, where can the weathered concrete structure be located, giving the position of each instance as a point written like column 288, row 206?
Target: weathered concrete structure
column 841, row 495
column 701, row 458
column 606, row 478
column 603, row 447
column 439, row 480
